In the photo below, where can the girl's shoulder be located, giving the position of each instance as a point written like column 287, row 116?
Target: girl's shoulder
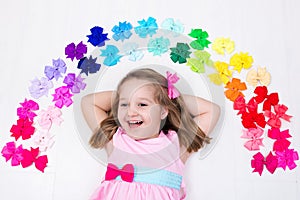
column 171, row 134
column 184, row 154
column 109, row 147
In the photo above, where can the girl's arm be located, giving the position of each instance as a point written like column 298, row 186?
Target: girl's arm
column 204, row 113
column 95, row 107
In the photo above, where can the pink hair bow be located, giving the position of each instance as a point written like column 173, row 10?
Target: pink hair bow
column 126, row 173
column 26, row 111
column 62, row 97
column 43, row 140
column 172, row 91
column 254, row 135
column 258, row 162
column 274, row 118
column 281, row 142
column 11, row 152
column 50, row 116
column 287, row 158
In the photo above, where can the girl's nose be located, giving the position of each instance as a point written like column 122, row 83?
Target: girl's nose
column 131, row 111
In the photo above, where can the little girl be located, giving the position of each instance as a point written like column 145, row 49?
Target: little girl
column 148, row 130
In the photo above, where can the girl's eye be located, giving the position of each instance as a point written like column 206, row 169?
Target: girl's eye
column 123, row 104
column 142, row 104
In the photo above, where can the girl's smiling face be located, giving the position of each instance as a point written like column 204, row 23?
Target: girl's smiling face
column 138, row 111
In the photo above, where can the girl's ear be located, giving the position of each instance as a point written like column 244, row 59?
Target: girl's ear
column 164, row 113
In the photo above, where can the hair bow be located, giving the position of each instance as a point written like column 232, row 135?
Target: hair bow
column 27, row 109
column 11, row 152
column 251, row 119
column 240, row 105
column 43, row 140
column 241, row 60
column 223, row 74
column 234, row 89
column 281, row 142
column 258, row 162
column 30, row 157
column 62, row 96
column 287, row 158
column 126, row 173
column 23, row 129
column 50, row 116
column 75, row 51
column 55, row 71
column 261, row 75
column 274, row 118
column 74, row 83
column 172, row 91
column 262, row 95
column 254, row 135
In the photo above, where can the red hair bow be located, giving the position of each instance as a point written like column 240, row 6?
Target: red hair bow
column 126, row 173
column 258, row 162
column 240, row 104
column 274, row 118
column 252, row 119
column 262, row 95
column 30, row 157
column 23, row 129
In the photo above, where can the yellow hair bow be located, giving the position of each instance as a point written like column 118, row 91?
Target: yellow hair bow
column 221, row 44
column 261, row 75
column 223, row 74
column 241, row 60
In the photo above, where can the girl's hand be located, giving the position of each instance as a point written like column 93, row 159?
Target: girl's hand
column 95, row 107
column 204, row 113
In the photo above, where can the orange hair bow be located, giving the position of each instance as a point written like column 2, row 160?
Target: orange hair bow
column 234, row 88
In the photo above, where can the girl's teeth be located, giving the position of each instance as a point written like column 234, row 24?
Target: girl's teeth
column 135, row 124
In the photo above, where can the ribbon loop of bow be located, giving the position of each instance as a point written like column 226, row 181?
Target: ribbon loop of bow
column 251, row 119
column 254, row 135
column 259, row 162
column 172, row 91
column 281, row 143
column 126, row 173
column 275, row 118
column 242, row 106
column 260, row 75
column 263, row 96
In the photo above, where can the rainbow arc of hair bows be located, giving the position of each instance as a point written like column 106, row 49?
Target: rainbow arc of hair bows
column 36, row 126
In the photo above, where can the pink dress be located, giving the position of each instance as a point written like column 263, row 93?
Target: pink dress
column 158, row 169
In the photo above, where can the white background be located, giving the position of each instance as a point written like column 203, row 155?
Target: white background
column 34, row 32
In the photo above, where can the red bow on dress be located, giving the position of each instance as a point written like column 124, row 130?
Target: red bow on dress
column 126, row 173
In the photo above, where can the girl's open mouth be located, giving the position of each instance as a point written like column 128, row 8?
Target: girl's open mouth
column 135, row 124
